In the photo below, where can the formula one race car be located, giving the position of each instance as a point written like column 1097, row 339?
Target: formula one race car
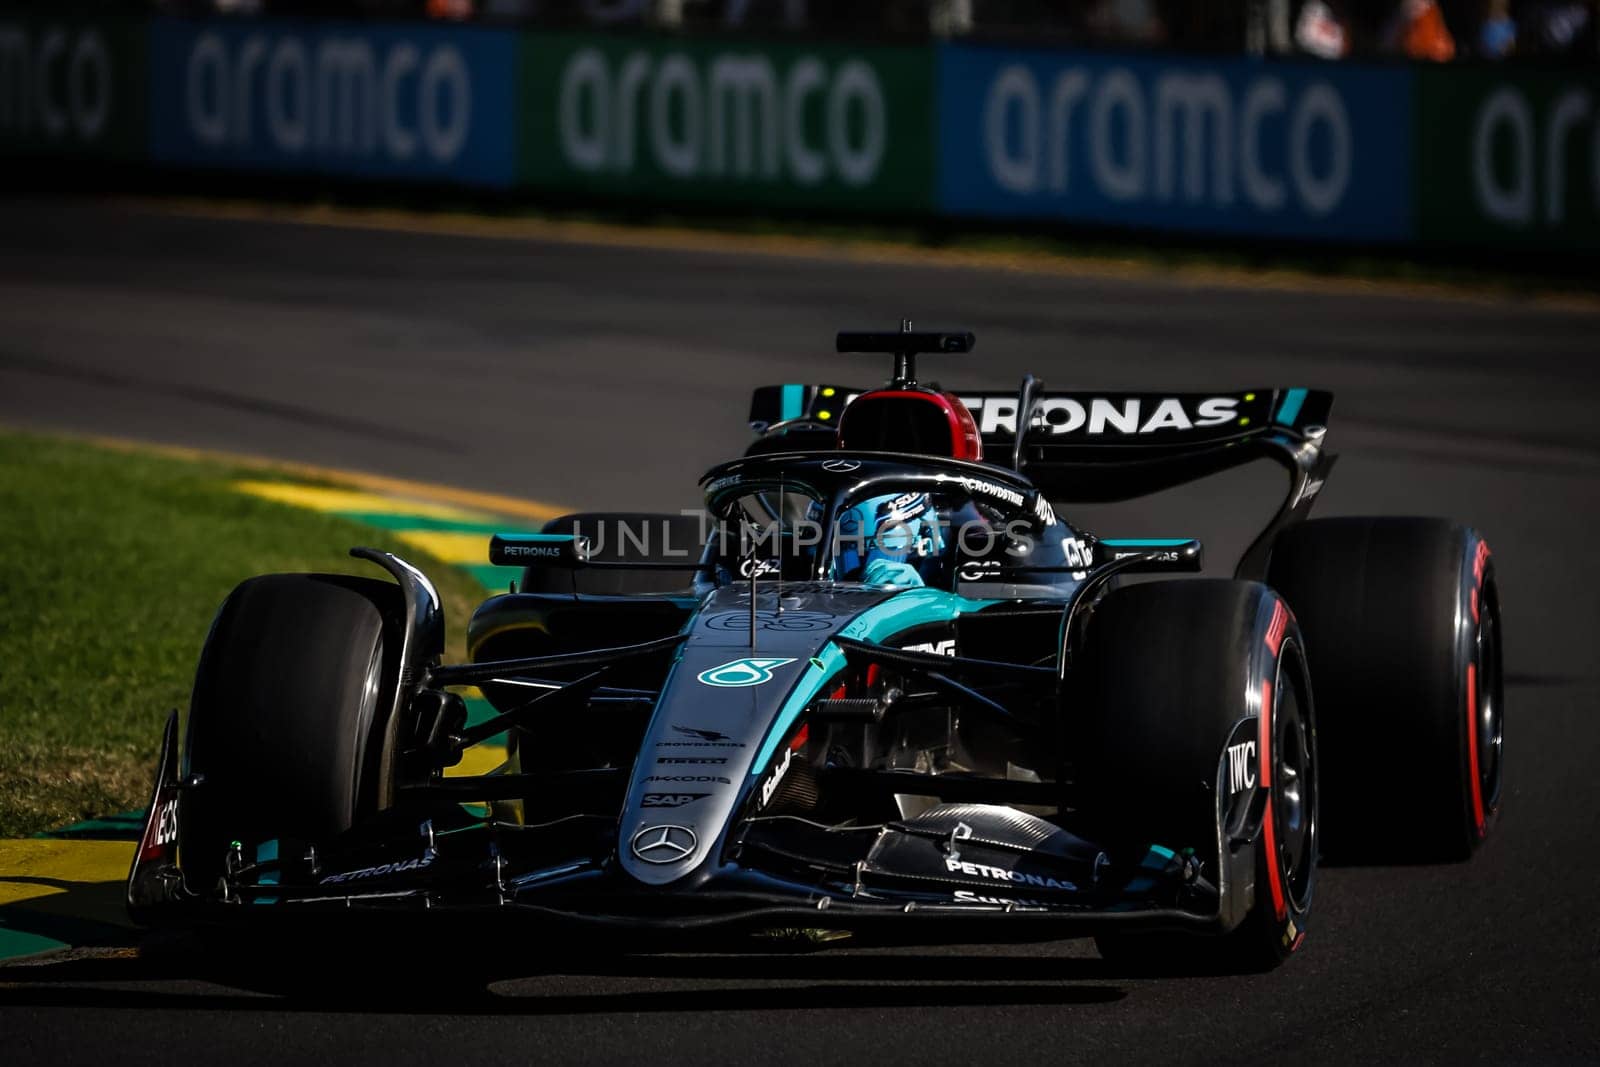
column 882, row 685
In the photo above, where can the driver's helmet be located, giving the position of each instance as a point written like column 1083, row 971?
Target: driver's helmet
column 889, row 540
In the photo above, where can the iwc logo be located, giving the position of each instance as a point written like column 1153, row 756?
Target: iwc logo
column 664, row 844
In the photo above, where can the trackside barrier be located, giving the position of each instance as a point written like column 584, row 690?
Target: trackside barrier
column 378, row 100
column 1492, row 157
column 72, row 87
column 1207, row 145
column 1509, row 158
column 833, row 127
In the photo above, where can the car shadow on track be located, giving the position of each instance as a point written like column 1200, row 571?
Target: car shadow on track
column 177, row 974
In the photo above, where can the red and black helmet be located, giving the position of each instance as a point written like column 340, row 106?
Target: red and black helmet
column 905, row 417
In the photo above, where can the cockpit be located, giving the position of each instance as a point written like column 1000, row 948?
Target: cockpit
column 885, row 520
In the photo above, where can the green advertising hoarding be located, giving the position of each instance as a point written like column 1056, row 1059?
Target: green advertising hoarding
column 825, row 126
column 1509, row 157
column 72, row 86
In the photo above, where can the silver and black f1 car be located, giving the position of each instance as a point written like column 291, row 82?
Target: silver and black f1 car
column 882, row 684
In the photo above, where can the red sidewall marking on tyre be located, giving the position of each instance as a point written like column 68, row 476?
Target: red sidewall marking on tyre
column 1474, row 783
column 1277, row 627
column 1268, row 827
column 1480, row 559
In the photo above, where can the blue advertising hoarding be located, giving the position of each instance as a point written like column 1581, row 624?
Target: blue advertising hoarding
column 1198, row 144
column 361, row 100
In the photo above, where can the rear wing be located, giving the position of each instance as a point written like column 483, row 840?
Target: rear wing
column 1115, row 427
column 1096, row 447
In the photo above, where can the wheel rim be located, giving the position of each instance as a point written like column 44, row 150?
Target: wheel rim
column 1486, row 717
column 1294, row 789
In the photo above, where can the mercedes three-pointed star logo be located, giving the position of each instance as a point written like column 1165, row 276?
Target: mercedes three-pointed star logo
column 664, row 844
column 841, row 466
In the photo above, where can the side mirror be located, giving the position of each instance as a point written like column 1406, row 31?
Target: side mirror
column 1162, row 555
column 561, row 551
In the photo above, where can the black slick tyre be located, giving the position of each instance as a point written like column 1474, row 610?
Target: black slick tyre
column 1196, row 709
column 288, row 714
column 1402, row 625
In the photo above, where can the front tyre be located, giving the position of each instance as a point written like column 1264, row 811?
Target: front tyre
column 287, row 719
column 1199, row 733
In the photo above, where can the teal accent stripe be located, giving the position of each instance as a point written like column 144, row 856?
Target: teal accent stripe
column 914, row 607
column 1290, row 408
column 266, row 852
column 794, row 400
column 1142, row 542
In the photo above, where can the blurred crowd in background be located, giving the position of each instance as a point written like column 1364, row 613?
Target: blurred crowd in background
column 1436, row 31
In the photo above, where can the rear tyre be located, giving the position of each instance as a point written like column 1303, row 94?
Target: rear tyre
column 1175, row 674
column 634, row 536
column 287, row 719
column 1402, row 624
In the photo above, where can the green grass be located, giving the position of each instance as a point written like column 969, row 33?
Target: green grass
column 112, row 564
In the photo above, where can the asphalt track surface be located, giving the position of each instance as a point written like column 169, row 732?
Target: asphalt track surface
column 607, row 376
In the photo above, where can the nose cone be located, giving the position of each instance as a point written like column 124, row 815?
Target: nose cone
column 714, row 720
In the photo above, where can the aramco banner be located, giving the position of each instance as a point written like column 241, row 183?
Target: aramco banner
column 842, row 128
column 72, row 86
column 381, row 100
column 1509, row 157
column 1204, row 144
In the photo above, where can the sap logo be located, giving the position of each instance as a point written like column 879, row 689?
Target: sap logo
column 1103, row 415
column 1241, row 766
column 731, row 115
column 934, row 648
column 330, row 93
column 669, row 800
column 1132, row 132
column 58, row 81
